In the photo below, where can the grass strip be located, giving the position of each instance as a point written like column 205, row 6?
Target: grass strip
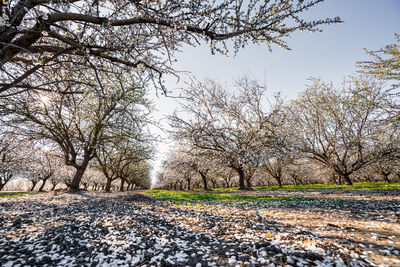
column 19, row 194
column 180, row 196
column 363, row 185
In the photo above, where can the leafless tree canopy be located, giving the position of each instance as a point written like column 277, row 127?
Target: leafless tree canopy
column 338, row 133
column 235, row 127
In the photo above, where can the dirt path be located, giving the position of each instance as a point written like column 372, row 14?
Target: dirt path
column 336, row 228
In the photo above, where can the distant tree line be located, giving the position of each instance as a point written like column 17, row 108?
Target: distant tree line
column 237, row 137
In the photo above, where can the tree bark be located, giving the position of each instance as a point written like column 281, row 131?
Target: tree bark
column 204, row 179
column 121, row 188
column 3, row 182
column 180, row 185
column 279, row 180
column 77, row 178
column 108, row 186
column 53, row 187
column 347, row 179
column 34, row 183
column 240, row 171
column 42, row 185
column 248, row 181
column 386, row 178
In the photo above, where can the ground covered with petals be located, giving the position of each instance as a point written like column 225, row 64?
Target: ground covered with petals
column 284, row 228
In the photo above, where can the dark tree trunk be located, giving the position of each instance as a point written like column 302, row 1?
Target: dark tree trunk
column 346, row 178
column 42, row 185
column 279, row 180
column 386, row 177
column 227, row 184
column 248, row 181
column 188, row 182
column 180, row 185
column 240, row 171
column 34, row 183
column 108, row 186
column 53, row 187
column 121, row 187
column 7, row 177
column 204, row 179
column 77, row 178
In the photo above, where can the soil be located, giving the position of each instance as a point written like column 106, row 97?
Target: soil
column 333, row 228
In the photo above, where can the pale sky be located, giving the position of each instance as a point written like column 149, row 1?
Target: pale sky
column 330, row 55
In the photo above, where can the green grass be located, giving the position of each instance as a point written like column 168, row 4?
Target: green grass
column 180, row 196
column 364, row 185
column 19, row 194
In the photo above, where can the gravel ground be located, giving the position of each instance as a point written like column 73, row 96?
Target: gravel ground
column 338, row 228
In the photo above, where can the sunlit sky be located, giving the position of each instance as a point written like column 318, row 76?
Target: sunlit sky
column 330, row 55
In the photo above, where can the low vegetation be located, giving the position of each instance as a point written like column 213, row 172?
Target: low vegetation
column 19, row 194
column 179, row 196
column 361, row 185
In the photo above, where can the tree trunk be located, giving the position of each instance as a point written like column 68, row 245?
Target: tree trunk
column 53, row 187
column 248, row 181
column 204, row 179
column 347, row 179
column 386, row 177
column 295, row 181
column 227, row 184
column 34, row 183
column 188, row 182
column 279, row 180
column 180, row 185
column 340, row 179
column 121, row 188
column 42, row 185
column 77, row 178
column 241, row 178
column 7, row 177
column 108, row 186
